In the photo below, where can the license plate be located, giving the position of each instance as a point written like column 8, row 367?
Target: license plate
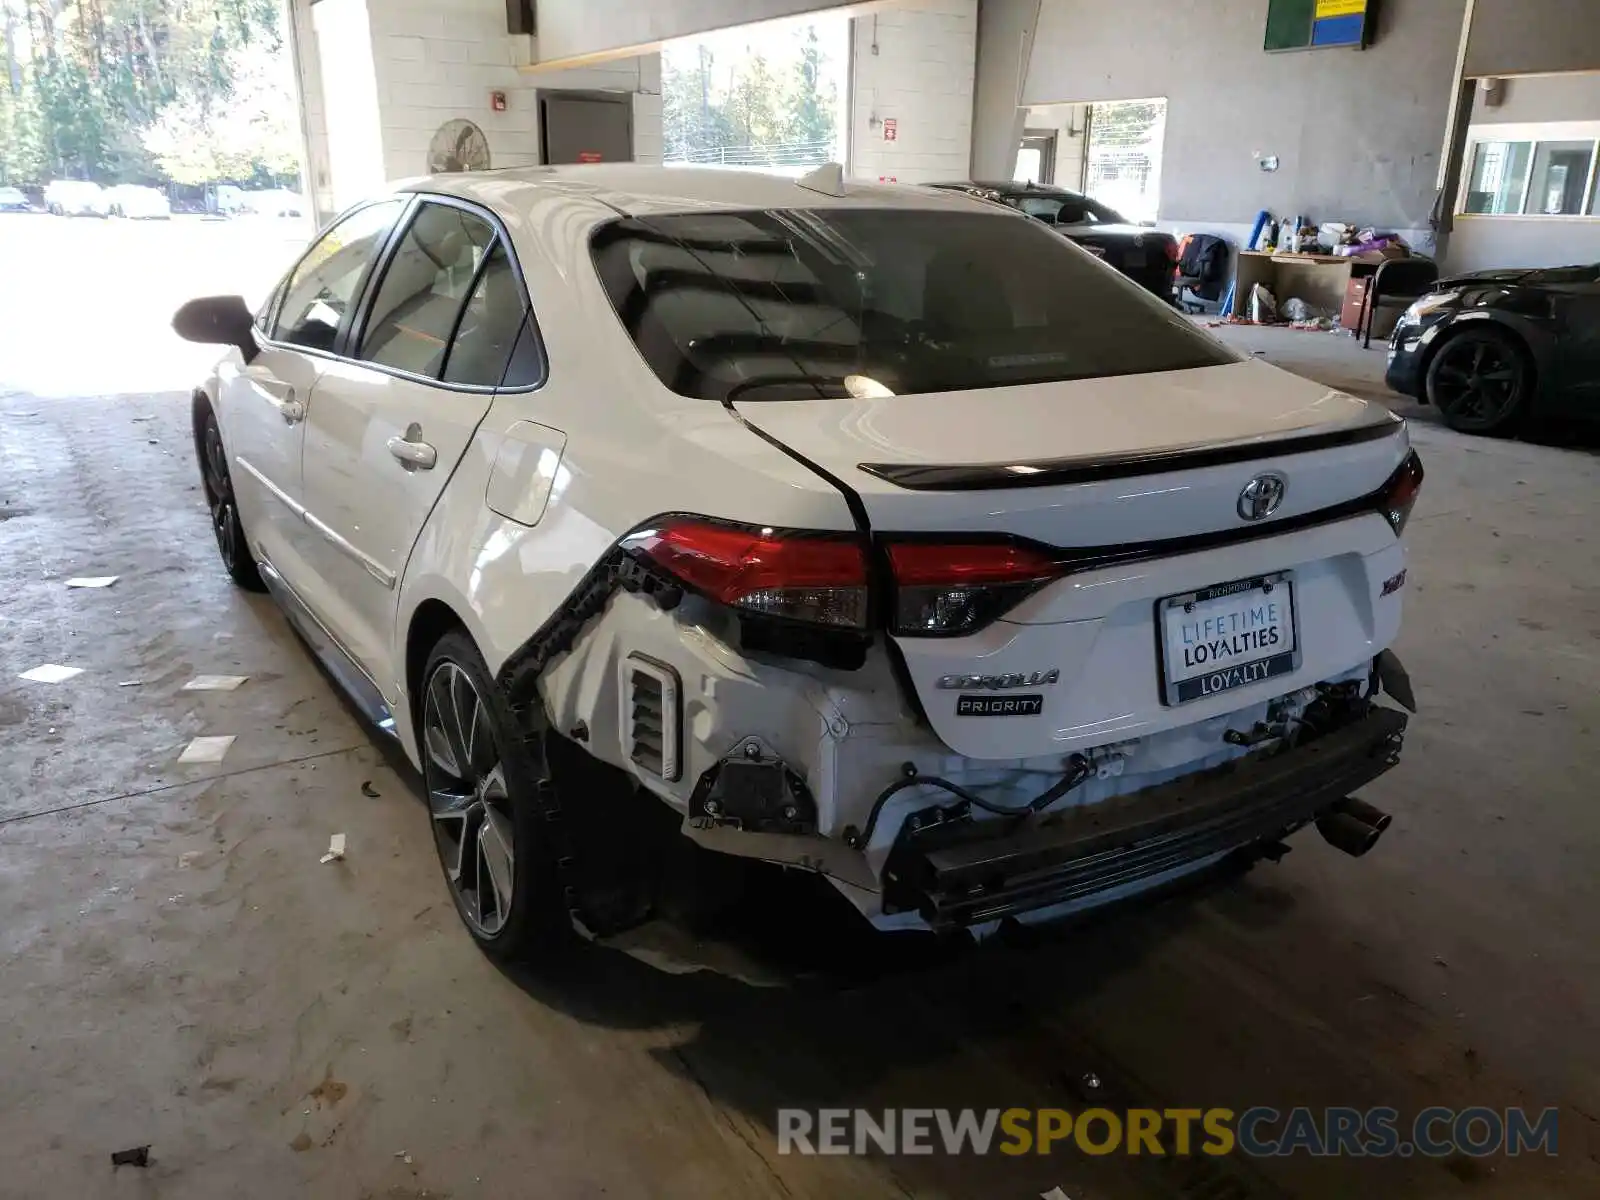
column 1227, row 636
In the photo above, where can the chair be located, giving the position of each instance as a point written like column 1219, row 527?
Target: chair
column 1189, row 283
column 1202, row 268
column 1397, row 283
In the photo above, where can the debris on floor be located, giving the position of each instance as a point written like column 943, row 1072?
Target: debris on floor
column 368, row 790
column 214, row 683
column 130, row 683
column 138, row 1156
column 50, row 673
column 207, row 749
column 335, row 849
column 330, row 1091
column 92, row 581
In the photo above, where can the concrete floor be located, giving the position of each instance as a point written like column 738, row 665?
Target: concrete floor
column 180, row 970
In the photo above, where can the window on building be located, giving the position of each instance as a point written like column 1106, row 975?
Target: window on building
column 1124, row 156
column 1521, row 173
column 1560, row 176
column 1499, row 177
column 770, row 97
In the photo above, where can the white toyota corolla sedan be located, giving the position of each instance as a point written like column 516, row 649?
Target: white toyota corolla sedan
column 874, row 531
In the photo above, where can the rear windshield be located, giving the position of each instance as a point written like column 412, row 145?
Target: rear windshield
column 1065, row 210
column 797, row 303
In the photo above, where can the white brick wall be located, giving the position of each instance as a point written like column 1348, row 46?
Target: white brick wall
column 920, row 76
column 393, row 71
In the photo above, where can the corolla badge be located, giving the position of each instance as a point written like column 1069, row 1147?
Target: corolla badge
column 999, row 683
column 1262, row 496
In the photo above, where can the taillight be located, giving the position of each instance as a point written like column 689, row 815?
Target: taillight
column 819, row 578
column 1172, row 252
column 946, row 588
column 1399, row 494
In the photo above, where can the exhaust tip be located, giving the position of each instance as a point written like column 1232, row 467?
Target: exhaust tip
column 1366, row 813
column 1344, row 832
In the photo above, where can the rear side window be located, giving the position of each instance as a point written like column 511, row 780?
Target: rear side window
column 490, row 337
column 322, row 287
column 787, row 304
column 424, row 287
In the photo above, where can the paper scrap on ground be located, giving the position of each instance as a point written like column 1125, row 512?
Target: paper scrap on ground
column 214, row 683
column 50, row 673
column 130, row 683
column 335, row 848
column 206, row 749
column 92, row 581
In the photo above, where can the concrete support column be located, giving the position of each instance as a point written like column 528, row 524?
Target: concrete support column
column 1006, row 31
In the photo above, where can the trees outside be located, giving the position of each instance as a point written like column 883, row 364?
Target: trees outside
column 752, row 99
column 1124, row 156
column 141, row 91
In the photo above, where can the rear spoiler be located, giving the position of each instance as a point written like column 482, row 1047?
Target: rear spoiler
column 920, row 477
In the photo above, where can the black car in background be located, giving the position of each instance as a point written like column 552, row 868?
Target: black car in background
column 1147, row 256
column 1492, row 348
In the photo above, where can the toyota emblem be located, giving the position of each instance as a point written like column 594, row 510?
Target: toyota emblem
column 1262, row 496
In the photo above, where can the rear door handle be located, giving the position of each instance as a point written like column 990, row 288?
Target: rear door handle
column 414, row 453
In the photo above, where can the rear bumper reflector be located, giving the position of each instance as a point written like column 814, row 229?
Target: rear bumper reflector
column 1095, row 848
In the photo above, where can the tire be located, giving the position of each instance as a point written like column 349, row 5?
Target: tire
column 1481, row 381
column 484, row 802
column 232, row 544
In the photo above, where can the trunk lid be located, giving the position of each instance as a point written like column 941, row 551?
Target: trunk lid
column 1138, row 480
column 1052, row 462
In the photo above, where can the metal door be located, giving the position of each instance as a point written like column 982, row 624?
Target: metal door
column 586, row 128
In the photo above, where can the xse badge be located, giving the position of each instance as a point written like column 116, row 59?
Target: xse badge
column 999, row 706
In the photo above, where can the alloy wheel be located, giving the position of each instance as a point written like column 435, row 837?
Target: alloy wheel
column 1477, row 381
column 468, row 799
column 219, row 495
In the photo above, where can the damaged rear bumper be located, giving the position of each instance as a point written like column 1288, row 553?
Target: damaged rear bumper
column 958, row 874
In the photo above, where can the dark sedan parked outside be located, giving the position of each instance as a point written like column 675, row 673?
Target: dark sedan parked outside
column 1492, row 348
column 1147, row 256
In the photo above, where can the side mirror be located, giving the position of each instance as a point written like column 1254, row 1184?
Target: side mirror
column 218, row 321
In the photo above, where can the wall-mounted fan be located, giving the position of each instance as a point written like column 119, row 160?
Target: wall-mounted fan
column 458, row 146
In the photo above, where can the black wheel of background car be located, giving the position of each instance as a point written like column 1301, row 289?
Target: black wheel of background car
column 231, row 542
column 1481, row 381
column 482, row 780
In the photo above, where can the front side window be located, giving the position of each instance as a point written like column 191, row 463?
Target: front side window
column 321, row 289
column 791, row 304
column 424, row 287
column 1046, row 208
